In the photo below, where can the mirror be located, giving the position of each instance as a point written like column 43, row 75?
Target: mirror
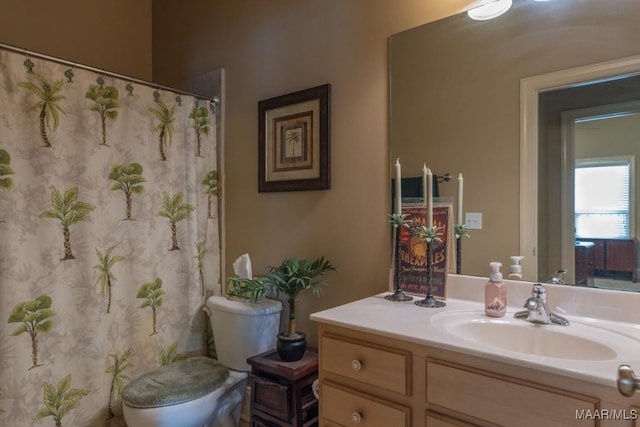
column 455, row 93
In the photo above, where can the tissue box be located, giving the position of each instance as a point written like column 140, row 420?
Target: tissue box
column 254, row 289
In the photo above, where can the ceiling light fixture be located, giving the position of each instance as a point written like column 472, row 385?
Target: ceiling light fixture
column 483, row 9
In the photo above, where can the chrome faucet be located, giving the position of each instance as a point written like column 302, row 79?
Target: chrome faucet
column 556, row 278
column 537, row 311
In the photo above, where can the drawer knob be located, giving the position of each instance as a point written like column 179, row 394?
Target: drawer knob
column 356, row 365
column 628, row 382
column 356, row 417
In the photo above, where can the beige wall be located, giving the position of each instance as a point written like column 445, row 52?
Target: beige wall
column 269, row 48
column 113, row 36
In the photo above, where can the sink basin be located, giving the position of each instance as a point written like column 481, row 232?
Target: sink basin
column 577, row 341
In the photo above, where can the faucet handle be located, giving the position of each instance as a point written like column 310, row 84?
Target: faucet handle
column 556, row 278
column 539, row 292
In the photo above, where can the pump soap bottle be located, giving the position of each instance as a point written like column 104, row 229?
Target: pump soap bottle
column 515, row 269
column 495, row 292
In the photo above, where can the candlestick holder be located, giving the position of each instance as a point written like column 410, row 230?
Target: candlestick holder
column 431, row 236
column 397, row 221
column 460, row 231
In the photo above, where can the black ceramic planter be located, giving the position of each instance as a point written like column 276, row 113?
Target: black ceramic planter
column 291, row 349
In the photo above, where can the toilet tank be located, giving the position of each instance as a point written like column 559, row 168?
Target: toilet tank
column 242, row 329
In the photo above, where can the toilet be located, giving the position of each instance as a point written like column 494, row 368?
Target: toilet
column 200, row 391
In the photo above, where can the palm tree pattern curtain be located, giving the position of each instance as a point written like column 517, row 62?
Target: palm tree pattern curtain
column 108, row 237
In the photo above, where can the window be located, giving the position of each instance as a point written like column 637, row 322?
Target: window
column 603, row 198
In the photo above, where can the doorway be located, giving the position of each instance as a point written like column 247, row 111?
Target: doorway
column 598, row 195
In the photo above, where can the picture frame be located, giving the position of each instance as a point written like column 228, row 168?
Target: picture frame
column 294, row 141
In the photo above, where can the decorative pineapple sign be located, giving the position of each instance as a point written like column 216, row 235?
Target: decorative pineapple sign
column 413, row 251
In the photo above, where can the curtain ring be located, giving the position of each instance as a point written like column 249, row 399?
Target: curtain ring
column 69, row 74
column 28, row 63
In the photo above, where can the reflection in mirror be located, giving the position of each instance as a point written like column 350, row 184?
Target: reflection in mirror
column 595, row 165
column 590, row 258
column 455, row 88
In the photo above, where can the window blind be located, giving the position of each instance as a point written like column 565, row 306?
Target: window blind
column 602, row 199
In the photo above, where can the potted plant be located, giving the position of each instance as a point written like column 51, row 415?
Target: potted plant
column 291, row 278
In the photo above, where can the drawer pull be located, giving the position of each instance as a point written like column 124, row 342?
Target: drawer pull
column 356, row 365
column 356, row 417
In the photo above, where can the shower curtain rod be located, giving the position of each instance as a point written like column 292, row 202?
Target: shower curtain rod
column 214, row 100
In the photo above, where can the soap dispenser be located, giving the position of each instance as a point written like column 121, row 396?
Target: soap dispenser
column 515, row 269
column 495, row 292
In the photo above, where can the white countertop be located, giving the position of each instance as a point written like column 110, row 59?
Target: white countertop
column 603, row 316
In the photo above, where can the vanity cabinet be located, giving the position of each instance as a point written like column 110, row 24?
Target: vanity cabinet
column 371, row 380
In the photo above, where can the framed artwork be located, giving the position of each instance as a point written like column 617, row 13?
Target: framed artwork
column 293, row 141
column 413, row 265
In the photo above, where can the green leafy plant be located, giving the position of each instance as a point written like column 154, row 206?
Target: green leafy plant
column 294, row 276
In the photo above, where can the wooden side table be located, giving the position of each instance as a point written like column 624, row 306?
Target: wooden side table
column 282, row 392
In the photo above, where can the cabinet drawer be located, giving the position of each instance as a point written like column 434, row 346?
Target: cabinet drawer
column 434, row 419
column 347, row 407
column 382, row 367
column 501, row 400
column 270, row 397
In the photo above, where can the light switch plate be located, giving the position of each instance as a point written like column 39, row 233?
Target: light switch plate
column 473, row 220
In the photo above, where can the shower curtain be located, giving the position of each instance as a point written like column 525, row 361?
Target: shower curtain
column 109, row 237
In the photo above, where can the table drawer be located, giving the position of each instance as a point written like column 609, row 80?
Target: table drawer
column 387, row 368
column 271, row 397
column 347, row 407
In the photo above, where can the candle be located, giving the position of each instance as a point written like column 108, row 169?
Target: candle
column 398, row 187
column 429, row 198
column 425, row 191
column 460, row 180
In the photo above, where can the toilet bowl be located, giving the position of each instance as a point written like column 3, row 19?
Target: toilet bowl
column 203, row 392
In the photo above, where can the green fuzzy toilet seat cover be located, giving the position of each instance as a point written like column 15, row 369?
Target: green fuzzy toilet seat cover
column 190, row 379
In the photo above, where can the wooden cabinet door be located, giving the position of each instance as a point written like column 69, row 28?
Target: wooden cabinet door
column 598, row 256
column 620, row 255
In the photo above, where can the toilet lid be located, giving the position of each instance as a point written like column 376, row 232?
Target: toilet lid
column 179, row 382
